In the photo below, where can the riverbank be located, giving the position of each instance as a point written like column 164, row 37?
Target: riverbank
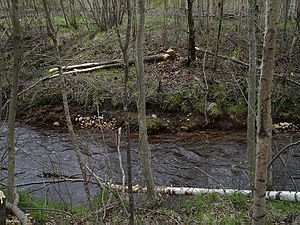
column 197, row 97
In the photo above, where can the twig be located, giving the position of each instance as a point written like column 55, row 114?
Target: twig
column 51, row 210
column 222, row 187
column 206, row 85
column 99, row 181
column 286, row 168
column 120, row 156
column 54, row 181
column 225, row 57
column 283, row 150
column 22, row 217
column 159, row 213
column 30, row 87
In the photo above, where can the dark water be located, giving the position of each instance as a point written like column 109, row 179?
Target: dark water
column 203, row 159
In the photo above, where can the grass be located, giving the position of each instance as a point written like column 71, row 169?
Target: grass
column 200, row 209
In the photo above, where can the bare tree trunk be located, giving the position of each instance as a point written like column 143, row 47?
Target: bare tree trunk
column 213, row 8
column 72, row 134
column 17, row 64
column 297, row 30
column 73, row 20
column 264, row 122
column 64, row 12
column 207, row 15
column 144, row 149
column 191, row 50
column 251, row 125
column 286, row 15
column 134, row 21
column 1, row 77
column 221, row 8
column 125, row 105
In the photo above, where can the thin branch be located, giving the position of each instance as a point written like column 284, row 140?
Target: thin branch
column 22, row 217
column 283, row 150
column 50, row 210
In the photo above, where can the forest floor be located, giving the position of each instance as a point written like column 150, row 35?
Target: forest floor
column 208, row 94
column 204, row 95
column 200, row 209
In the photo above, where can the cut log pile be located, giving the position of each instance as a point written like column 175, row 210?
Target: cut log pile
column 285, row 127
column 94, row 121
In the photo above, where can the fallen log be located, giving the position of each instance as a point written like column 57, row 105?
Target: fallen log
column 87, row 67
column 291, row 196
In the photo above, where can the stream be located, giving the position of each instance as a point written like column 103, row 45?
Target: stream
column 204, row 159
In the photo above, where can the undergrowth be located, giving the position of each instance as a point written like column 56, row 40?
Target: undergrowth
column 200, row 209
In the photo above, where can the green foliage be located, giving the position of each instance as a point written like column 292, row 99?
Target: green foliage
column 239, row 200
column 228, row 100
column 40, row 216
column 44, row 98
column 285, row 103
column 185, row 101
column 213, row 209
column 280, row 210
column 101, row 198
column 172, row 103
column 155, row 125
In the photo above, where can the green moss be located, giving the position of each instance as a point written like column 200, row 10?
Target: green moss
column 156, row 125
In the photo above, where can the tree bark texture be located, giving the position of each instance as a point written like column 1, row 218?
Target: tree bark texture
column 221, row 8
column 251, row 119
column 144, row 149
column 1, row 78
column 286, row 14
column 191, row 50
column 264, row 122
column 124, row 49
column 16, row 70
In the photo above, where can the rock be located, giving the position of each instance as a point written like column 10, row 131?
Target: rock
column 276, row 131
column 88, row 118
column 80, row 119
column 154, row 116
column 276, row 126
column 56, row 124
